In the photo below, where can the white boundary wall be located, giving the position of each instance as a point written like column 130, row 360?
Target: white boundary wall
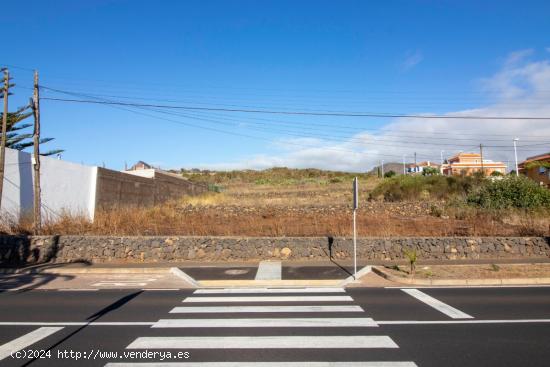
column 66, row 187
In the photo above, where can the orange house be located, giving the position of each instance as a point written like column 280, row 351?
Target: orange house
column 537, row 168
column 470, row 163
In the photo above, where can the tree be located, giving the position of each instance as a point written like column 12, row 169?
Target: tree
column 389, row 174
column 18, row 139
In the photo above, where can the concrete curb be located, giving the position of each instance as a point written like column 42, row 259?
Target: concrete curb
column 472, row 282
column 349, row 280
column 184, row 276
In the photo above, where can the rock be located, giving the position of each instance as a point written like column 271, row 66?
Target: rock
column 286, row 252
column 276, row 252
column 201, row 253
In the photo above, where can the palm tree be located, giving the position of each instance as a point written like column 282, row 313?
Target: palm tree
column 18, row 139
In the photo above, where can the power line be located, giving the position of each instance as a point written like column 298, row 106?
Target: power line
column 355, row 128
column 334, row 114
column 396, row 143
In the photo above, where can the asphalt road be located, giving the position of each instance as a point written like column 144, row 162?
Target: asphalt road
column 422, row 327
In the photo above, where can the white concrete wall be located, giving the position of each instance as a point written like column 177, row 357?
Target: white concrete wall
column 66, row 187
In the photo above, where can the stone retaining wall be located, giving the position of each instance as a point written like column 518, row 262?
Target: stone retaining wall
column 17, row 250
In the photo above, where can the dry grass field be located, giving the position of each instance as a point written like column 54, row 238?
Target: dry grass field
column 287, row 204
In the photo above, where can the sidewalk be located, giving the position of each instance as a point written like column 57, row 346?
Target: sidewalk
column 242, row 274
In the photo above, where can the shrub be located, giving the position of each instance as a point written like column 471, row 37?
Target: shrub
column 415, row 187
column 510, row 192
column 430, row 171
column 389, row 174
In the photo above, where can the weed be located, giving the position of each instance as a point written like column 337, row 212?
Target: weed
column 411, row 255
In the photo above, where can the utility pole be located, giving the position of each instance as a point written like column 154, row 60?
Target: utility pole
column 415, row 162
column 383, row 173
column 355, row 207
column 35, row 103
column 441, row 166
column 4, row 130
column 404, row 171
column 481, row 154
column 516, row 156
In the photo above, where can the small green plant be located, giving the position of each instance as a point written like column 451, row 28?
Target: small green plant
column 495, row 267
column 411, row 255
column 214, row 188
column 435, row 211
column 428, row 273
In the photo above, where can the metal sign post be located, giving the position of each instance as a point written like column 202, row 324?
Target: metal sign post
column 355, row 206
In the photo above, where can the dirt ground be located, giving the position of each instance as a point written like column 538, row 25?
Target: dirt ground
column 477, row 271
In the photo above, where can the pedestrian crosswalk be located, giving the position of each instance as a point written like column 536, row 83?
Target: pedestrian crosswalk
column 294, row 322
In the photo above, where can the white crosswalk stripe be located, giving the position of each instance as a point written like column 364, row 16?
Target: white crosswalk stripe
column 263, row 342
column 270, row 299
column 266, row 309
column 263, row 364
column 352, row 316
column 268, row 290
column 275, row 322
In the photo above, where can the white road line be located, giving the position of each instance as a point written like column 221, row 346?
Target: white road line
column 437, row 304
column 78, row 289
column 119, row 284
column 277, row 309
column 269, row 290
column 386, row 322
column 26, row 340
column 451, row 322
column 269, row 270
column 70, row 323
column 266, row 322
column 270, row 299
column 263, row 364
column 160, row 289
column 263, row 342
column 472, row 286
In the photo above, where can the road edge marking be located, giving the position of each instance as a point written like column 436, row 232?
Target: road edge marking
column 437, row 304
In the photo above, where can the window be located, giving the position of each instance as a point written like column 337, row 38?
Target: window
column 542, row 170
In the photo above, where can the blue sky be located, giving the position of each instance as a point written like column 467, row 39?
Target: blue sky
column 441, row 57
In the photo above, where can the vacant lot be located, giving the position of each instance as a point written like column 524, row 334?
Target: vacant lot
column 284, row 202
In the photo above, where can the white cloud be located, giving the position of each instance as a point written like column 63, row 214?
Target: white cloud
column 521, row 88
column 412, row 59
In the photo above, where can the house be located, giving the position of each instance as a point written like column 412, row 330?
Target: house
column 470, row 163
column 140, row 165
column 537, row 168
column 419, row 168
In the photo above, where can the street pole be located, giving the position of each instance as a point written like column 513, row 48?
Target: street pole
column 516, row 156
column 481, row 154
column 404, row 171
column 355, row 206
column 4, row 131
column 383, row 169
column 415, row 162
column 35, row 103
